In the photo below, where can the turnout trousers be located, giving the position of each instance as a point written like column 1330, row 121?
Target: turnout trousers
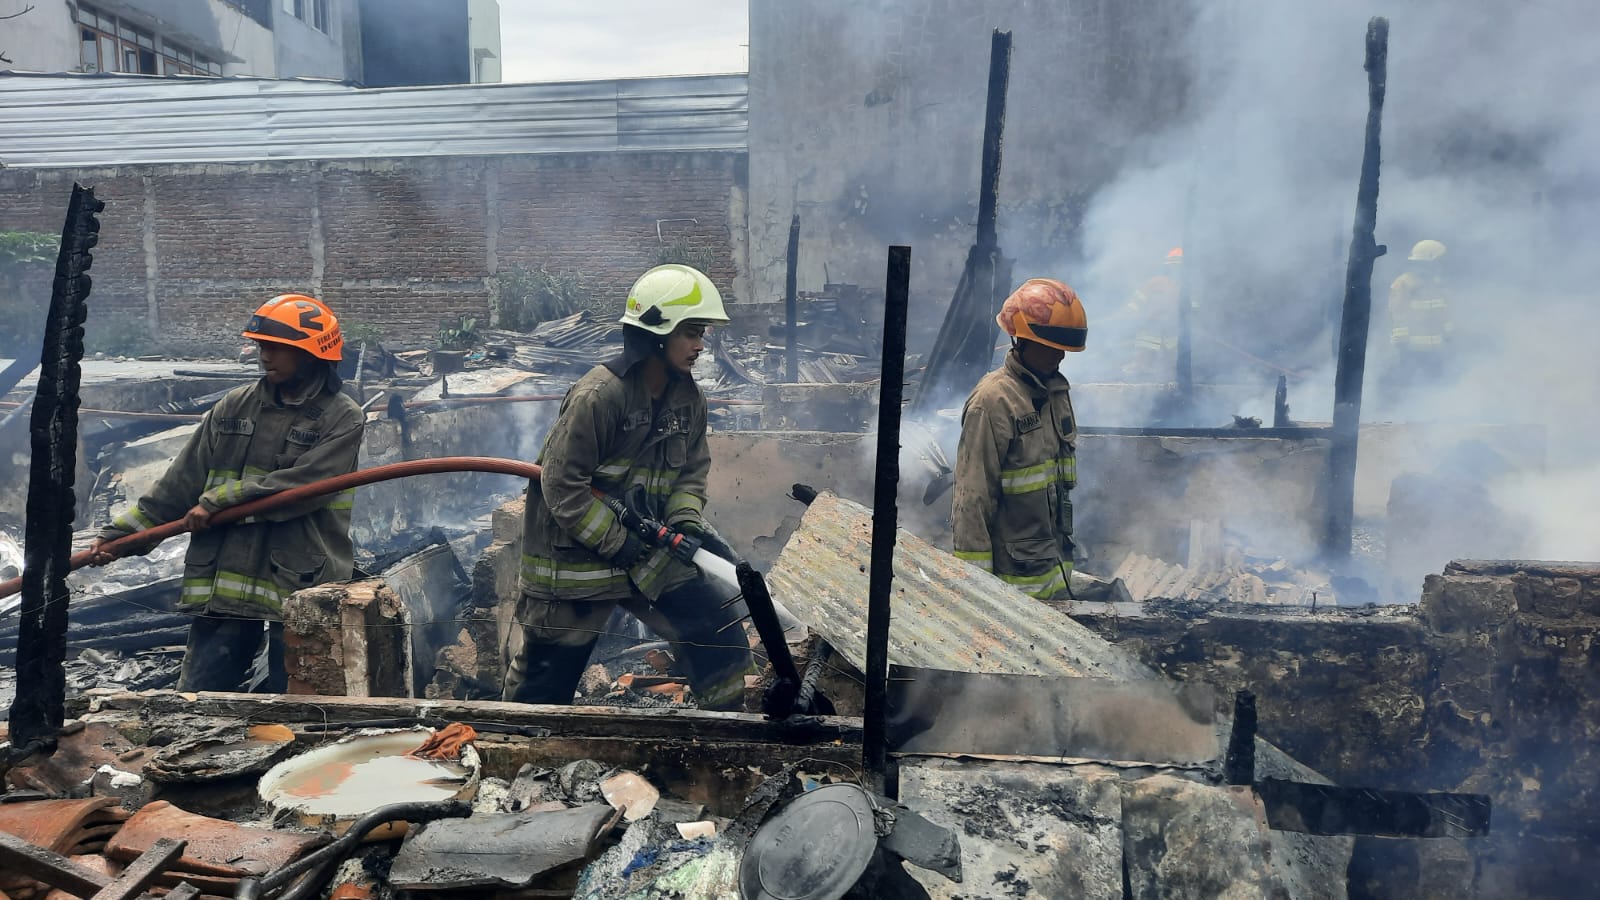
column 549, row 648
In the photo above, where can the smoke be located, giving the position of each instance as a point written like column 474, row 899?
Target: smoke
column 1488, row 135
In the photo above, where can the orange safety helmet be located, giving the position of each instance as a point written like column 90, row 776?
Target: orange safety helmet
column 1045, row 311
column 1175, row 256
column 299, row 321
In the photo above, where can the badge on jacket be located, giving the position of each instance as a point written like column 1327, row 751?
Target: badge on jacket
column 1029, row 422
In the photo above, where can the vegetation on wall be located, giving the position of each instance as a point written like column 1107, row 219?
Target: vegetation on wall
column 684, row 253
column 25, row 258
column 531, row 296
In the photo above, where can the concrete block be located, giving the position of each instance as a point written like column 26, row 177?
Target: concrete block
column 1467, row 603
column 350, row 639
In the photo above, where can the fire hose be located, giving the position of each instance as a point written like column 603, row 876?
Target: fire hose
column 123, row 546
column 681, row 546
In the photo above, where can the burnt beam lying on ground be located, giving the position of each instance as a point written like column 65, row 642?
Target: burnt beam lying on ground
column 1329, row 809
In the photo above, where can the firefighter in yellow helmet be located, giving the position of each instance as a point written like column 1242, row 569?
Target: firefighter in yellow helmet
column 1016, row 464
column 1420, row 325
column 291, row 428
column 635, row 425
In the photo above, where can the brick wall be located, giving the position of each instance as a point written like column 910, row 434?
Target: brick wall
column 400, row 244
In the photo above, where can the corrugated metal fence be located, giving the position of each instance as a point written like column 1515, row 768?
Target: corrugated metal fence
column 97, row 120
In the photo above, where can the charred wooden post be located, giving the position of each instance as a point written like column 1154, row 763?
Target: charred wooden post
column 36, row 713
column 1364, row 251
column 1185, row 373
column 1239, row 765
column 994, row 126
column 885, row 514
column 791, row 353
column 961, row 352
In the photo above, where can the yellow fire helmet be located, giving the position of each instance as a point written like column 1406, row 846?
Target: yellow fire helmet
column 670, row 295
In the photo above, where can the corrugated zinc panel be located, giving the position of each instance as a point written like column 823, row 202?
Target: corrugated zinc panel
column 82, row 120
column 947, row 614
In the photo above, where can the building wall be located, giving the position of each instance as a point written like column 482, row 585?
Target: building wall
column 870, row 126
column 303, row 51
column 44, row 39
column 415, row 42
column 483, row 40
column 401, row 244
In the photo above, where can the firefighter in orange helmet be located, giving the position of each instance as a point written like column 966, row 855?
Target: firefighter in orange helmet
column 291, row 427
column 1153, row 310
column 1016, row 464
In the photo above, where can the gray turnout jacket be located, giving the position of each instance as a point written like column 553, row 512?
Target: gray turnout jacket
column 254, row 442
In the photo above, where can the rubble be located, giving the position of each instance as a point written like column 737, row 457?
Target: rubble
column 1234, row 579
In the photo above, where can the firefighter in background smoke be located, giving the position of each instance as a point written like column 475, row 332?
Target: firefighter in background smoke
column 635, row 422
column 1153, row 312
column 1420, row 326
column 1016, row 463
column 291, row 428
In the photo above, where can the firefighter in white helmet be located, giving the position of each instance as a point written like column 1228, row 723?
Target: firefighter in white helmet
column 1017, row 460
column 633, row 426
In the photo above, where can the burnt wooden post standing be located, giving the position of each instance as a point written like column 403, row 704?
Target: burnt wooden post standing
column 961, row 352
column 791, row 353
column 885, row 513
column 37, row 711
column 1364, row 251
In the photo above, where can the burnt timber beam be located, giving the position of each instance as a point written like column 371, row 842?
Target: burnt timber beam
column 584, row 721
column 885, row 514
column 1357, row 316
column 37, row 711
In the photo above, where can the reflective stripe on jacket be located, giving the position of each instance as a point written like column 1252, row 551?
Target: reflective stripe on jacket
column 1419, row 317
column 611, row 435
column 1015, row 465
column 254, row 443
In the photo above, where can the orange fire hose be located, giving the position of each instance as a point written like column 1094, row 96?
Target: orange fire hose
column 156, row 535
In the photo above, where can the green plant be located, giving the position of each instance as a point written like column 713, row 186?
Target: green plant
column 461, row 335
column 20, row 248
column 25, row 258
column 358, row 333
column 684, row 253
column 530, row 297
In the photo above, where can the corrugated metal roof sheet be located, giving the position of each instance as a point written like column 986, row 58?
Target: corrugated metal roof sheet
column 89, row 120
column 946, row 614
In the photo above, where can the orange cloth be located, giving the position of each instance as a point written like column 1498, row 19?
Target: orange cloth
column 446, row 743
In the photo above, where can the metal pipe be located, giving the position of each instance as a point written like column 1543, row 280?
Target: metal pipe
column 885, row 515
column 1364, row 251
column 791, row 352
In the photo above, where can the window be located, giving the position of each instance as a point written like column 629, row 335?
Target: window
column 109, row 44
column 311, row 12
